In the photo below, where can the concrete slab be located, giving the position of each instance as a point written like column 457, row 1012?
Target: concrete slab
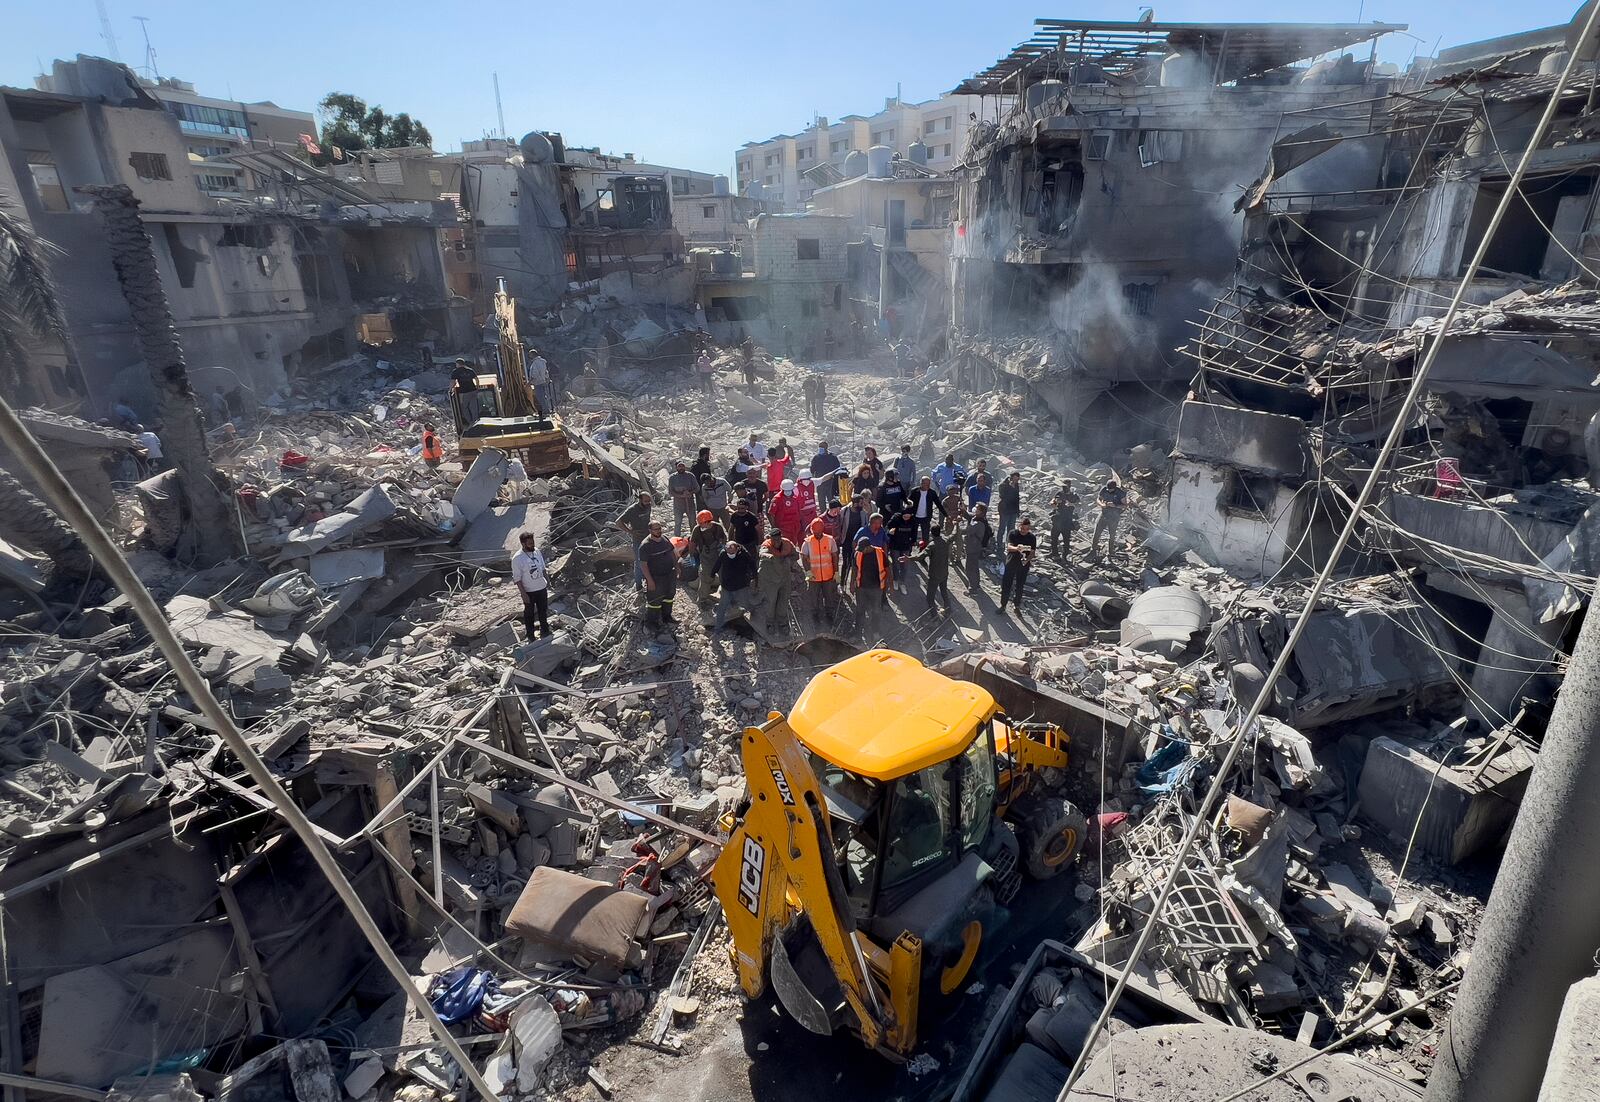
column 331, row 569
column 491, row 539
column 1573, row 1073
column 1459, row 814
column 477, row 491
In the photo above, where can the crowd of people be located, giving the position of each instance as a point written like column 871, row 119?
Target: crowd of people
column 769, row 528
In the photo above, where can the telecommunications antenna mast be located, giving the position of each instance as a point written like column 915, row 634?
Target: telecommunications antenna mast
column 107, row 35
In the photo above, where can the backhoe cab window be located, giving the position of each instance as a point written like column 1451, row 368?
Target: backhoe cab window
column 919, row 824
column 976, row 783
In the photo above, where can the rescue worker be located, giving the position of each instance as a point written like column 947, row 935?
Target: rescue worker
column 708, row 538
column 936, row 556
column 1020, row 547
column 685, row 491
column 788, row 512
column 872, row 581
column 432, row 446
column 777, row 469
column 1111, row 499
column 735, row 569
column 659, row 562
column 820, row 554
column 528, row 572
column 780, row 562
column 976, row 542
column 806, row 491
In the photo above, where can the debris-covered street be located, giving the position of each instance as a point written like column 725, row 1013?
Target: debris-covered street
column 1074, row 588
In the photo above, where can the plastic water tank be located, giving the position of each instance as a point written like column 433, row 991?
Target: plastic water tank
column 1553, row 62
column 878, row 158
column 1039, row 94
column 855, row 164
column 536, row 148
column 918, row 153
column 719, row 185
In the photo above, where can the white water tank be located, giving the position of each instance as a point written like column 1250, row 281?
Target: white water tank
column 918, row 153
column 855, row 164
column 878, row 158
column 536, row 148
column 719, row 185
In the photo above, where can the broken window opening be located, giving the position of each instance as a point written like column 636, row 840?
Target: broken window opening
column 1250, row 495
column 606, row 199
column 150, row 166
column 1140, row 298
column 808, row 248
column 183, row 257
column 246, row 236
column 47, row 181
column 808, row 308
column 708, row 211
column 1160, row 146
column 1098, row 145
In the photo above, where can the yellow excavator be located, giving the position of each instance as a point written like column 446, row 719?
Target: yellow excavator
column 887, row 820
column 503, row 411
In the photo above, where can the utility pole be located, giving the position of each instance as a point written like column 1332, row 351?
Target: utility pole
column 1542, row 925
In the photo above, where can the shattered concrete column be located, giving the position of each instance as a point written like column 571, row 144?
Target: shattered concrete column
column 1540, row 931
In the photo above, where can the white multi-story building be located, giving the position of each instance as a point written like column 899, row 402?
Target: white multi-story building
column 778, row 164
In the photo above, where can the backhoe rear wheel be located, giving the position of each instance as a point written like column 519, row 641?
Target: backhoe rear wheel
column 1051, row 832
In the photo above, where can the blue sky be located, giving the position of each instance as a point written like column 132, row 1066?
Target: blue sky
column 682, row 84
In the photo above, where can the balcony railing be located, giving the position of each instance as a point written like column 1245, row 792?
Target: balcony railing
column 189, row 127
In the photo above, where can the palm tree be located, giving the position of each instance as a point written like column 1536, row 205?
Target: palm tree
column 183, row 435
column 30, row 315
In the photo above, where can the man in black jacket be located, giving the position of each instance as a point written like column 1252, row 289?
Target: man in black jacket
column 735, row 568
column 923, row 504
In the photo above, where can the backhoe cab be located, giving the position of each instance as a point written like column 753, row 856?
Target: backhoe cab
column 888, row 820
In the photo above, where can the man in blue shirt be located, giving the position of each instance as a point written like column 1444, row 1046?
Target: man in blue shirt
column 979, row 493
column 948, row 474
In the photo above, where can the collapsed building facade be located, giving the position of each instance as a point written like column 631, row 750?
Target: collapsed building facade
column 1101, row 199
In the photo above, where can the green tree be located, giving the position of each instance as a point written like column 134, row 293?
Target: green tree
column 349, row 123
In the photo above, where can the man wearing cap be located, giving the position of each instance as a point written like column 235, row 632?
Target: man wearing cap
column 708, row 538
column 820, row 554
column 684, row 488
column 906, row 467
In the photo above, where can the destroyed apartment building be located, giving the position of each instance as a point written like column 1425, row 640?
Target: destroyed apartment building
column 1100, row 198
column 1264, row 778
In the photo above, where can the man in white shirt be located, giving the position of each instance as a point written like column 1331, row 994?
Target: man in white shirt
column 155, row 459
column 538, row 369
column 528, row 573
column 757, row 450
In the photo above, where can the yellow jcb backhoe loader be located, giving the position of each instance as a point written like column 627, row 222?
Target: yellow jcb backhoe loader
column 887, row 819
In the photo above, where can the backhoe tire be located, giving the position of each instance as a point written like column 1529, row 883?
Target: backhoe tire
column 1051, row 832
